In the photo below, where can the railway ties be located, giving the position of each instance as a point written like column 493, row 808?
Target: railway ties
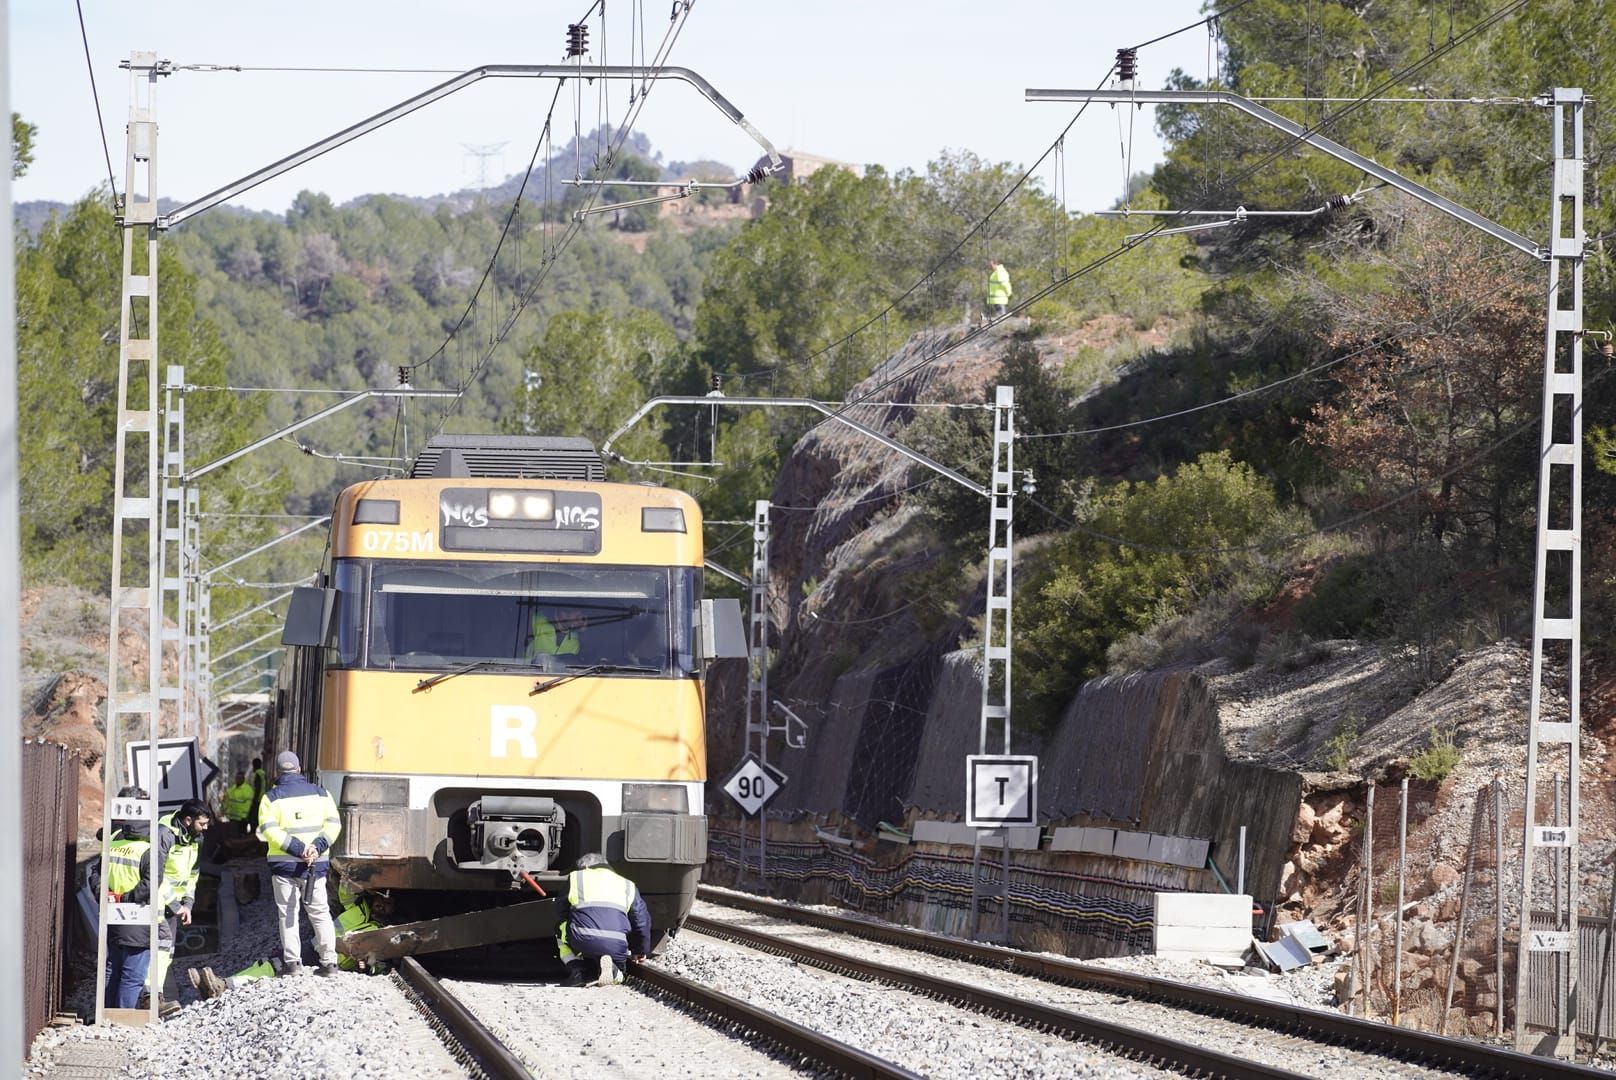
column 1310, row 1041
column 656, row 1025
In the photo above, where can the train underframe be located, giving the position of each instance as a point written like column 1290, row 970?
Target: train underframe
column 474, row 848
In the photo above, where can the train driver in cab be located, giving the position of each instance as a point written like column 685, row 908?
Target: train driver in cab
column 556, row 633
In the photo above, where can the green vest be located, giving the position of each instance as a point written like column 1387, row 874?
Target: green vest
column 545, row 641
column 237, row 802
column 181, row 869
column 124, row 860
column 999, row 286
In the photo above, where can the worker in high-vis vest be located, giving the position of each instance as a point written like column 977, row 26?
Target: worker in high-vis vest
column 132, row 863
column 237, row 803
column 298, row 820
column 181, row 871
column 556, row 634
column 603, row 921
column 356, row 917
column 998, row 289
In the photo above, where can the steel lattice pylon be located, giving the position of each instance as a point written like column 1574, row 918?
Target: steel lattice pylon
column 137, row 502
column 996, row 640
column 1557, row 601
column 757, row 685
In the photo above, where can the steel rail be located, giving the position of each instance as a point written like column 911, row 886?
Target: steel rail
column 822, row 1049
column 1401, row 1043
column 1120, row 1038
column 485, row 1049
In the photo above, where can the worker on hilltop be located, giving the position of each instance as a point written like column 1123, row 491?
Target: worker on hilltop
column 299, row 822
column 998, row 289
column 603, row 920
column 132, row 866
column 236, row 806
column 181, row 870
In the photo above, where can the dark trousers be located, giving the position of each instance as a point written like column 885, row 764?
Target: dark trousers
column 126, row 975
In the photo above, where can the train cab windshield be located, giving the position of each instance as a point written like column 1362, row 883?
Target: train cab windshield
column 404, row 615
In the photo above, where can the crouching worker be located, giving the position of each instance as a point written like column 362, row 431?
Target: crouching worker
column 603, row 921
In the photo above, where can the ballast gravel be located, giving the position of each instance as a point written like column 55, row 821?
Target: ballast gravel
column 1226, row 1036
column 578, row 1033
column 349, row 1025
column 922, row 1035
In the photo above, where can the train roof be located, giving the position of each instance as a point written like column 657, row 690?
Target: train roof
column 509, row 457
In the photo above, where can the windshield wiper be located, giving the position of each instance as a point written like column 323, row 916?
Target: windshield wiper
column 427, row 684
column 576, row 672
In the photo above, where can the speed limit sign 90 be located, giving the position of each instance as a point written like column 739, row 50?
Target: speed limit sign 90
column 753, row 784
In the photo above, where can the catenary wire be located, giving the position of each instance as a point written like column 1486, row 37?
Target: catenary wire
column 670, row 38
column 1273, row 154
column 1474, row 305
column 1204, row 21
column 1292, row 539
column 938, row 265
column 95, row 95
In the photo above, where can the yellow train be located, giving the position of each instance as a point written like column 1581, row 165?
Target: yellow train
column 502, row 669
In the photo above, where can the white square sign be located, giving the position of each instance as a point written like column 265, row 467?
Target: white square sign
column 1000, row 790
column 179, row 769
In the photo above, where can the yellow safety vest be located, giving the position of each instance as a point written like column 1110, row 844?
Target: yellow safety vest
column 124, row 860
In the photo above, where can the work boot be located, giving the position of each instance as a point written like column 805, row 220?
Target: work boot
column 609, row 975
column 168, row 1009
column 577, row 974
column 208, row 985
column 327, row 970
column 291, row 969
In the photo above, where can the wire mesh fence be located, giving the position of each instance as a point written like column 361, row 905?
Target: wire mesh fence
column 50, row 827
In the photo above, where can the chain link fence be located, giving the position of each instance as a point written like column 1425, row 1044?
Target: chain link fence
column 50, row 828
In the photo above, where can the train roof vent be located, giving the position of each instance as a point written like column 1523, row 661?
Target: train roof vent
column 509, row 457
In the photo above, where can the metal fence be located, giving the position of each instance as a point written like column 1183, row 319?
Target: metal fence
column 50, row 829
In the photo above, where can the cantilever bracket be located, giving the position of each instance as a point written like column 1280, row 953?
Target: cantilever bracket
column 1302, row 134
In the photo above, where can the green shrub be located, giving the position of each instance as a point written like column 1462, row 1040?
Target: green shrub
column 1437, row 760
column 1339, row 749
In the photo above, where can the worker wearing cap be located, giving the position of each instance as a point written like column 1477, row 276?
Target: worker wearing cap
column 181, row 870
column 299, row 822
column 603, row 920
column 132, row 865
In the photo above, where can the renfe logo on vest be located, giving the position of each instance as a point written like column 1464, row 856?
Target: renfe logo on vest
column 512, row 723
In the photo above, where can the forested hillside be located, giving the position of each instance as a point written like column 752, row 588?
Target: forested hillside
column 1289, row 427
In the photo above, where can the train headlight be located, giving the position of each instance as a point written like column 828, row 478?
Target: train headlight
column 656, row 798
column 375, row 791
column 501, row 504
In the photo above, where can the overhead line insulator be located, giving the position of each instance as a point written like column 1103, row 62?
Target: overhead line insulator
column 1127, row 66
column 577, row 39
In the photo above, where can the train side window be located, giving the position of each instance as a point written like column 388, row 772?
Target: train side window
column 349, row 580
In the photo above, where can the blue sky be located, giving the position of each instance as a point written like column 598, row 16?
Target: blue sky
column 874, row 82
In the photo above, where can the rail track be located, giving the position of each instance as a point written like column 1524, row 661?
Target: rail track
column 477, row 1047
column 1398, row 1044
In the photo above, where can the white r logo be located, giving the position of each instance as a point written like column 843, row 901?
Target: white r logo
column 512, row 723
